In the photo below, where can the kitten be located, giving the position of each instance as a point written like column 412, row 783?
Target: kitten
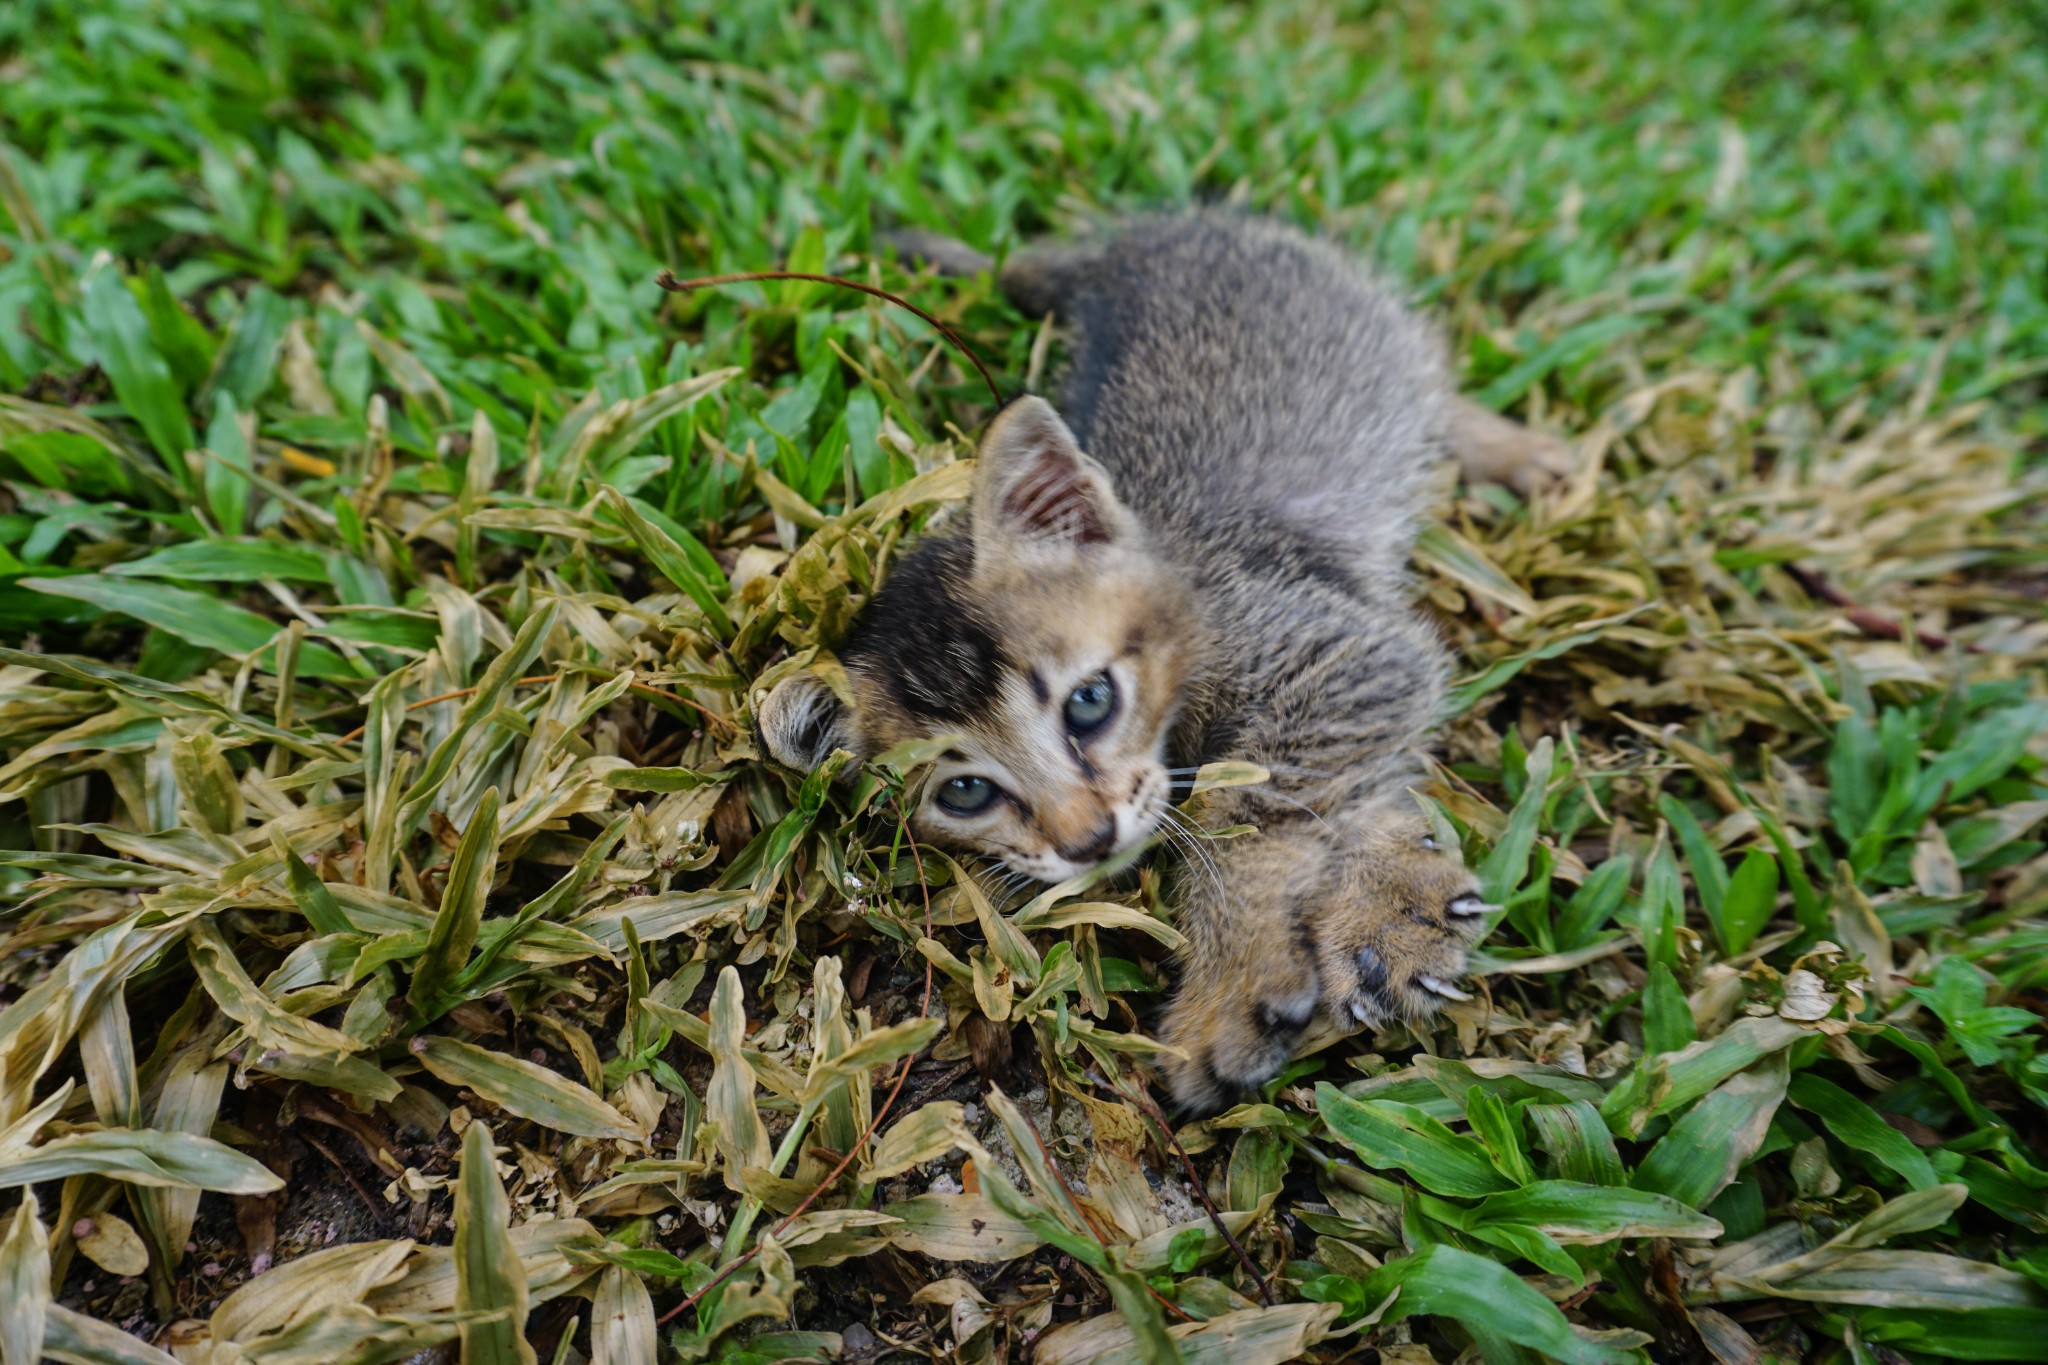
column 1201, row 556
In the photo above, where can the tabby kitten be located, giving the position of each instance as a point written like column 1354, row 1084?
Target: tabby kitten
column 1201, row 556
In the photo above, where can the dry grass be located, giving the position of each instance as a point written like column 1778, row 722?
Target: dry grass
column 411, row 882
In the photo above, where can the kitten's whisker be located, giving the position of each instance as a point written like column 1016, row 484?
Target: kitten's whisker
column 1186, row 836
column 1304, row 808
column 1219, row 886
column 1000, row 883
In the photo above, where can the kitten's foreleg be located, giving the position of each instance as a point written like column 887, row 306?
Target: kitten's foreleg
column 1395, row 919
column 1357, row 915
column 1248, row 982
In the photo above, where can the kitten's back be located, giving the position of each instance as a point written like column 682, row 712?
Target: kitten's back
column 1232, row 371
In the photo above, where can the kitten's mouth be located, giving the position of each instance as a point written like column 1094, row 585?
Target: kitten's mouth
column 1051, row 869
column 1140, row 828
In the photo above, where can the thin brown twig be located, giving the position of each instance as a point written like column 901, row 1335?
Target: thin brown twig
column 902, row 1075
column 699, row 707
column 538, row 680
column 667, row 280
column 1146, row 1103
column 1872, row 623
column 1094, row 1230
column 376, row 1213
column 1094, row 1227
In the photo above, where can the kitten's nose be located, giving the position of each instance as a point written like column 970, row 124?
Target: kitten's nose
column 1098, row 846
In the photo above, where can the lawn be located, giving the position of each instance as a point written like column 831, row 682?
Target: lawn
column 404, row 947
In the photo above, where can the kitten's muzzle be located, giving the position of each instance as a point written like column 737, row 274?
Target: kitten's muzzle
column 1101, row 843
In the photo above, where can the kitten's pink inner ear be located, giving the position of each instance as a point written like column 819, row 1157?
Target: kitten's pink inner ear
column 1054, row 498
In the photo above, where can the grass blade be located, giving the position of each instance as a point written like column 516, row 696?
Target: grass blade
column 668, row 556
column 226, row 561
column 221, row 972
column 24, row 1284
column 193, row 617
column 1502, row 872
column 470, row 874
column 524, row 1088
column 76, row 1338
column 1578, row 1142
column 1585, row 1214
column 1444, row 1281
column 1855, row 1124
column 142, row 1156
column 142, row 380
column 490, row 1282
column 505, row 670
column 315, row 901
column 188, row 1101
column 1709, row 873
column 1708, row 1146
column 621, row 1320
column 729, row 1099
column 1751, row 900
column 1390, row 1136
column 225, row 478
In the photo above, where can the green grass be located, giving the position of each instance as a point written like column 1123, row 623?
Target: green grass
column 341, row 317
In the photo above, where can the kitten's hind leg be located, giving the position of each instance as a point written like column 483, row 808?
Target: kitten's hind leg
column 947, row 255
column 1491, row 449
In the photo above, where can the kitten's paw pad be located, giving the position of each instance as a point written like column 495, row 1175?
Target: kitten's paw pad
column 1392, row 945
column 1236, row 1035
column 1401, row 971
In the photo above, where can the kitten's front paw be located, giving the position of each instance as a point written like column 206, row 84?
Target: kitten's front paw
column 1379, row 931
column 1237, row 1023
column 1391, row 944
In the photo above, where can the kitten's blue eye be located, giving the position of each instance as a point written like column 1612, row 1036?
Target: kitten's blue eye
column 1091, row 704
column 966, row 795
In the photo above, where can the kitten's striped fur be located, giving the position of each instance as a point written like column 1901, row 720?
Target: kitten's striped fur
column 1260, row 417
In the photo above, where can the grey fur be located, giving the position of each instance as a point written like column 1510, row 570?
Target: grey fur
column 1271, row 413
column 1251, row 421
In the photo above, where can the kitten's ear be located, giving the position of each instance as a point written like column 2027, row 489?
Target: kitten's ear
column 802, row 720
column 1035, row 488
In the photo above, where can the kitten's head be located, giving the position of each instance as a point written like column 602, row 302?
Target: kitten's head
column 1045, row 637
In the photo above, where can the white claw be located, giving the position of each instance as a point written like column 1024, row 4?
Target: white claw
column 1467, row 906
column 1442, row 987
